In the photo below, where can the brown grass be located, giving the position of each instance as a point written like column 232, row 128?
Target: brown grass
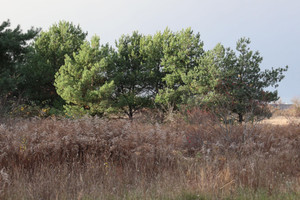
column 282, row 120
column 285, row 116
column 93, row 158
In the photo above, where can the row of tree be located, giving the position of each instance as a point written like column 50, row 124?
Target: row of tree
column 59, row 67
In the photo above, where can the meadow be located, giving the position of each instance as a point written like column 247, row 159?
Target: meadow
column 190, row 157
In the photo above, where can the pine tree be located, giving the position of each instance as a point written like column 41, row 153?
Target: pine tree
column 47, row 56
column 131, row 75
column 243, row 84
column 13, row 49
column 181, row 54
column 83, row 82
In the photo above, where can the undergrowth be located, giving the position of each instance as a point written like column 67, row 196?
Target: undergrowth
column 93, row 158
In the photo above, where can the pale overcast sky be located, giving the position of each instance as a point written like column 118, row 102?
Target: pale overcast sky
column 272, row 25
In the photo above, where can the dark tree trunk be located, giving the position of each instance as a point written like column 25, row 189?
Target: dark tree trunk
column 130, row 113
column 240, row 117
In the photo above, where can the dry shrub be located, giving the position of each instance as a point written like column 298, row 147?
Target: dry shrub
column 296, row 107
column 93, row 158
column 290, row 112
column 257, row 155
column 29, row 143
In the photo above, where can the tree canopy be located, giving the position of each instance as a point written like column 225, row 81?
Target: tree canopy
column 242, row 83
column 181, row 53
column 164, row 71
column 46, row 57
column 131, row 74
column 14, row 46
column 83, row 83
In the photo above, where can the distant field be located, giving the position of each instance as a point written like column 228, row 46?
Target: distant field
column 281, row 120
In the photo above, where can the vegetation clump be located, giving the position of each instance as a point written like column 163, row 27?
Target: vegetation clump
column 166, row 71
column 92, row 158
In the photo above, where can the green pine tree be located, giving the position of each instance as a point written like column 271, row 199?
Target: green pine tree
column 243, row 85
column 14, row 46
column 181, row 54
column 132, row 75
column 46, row 57
column 83, row 81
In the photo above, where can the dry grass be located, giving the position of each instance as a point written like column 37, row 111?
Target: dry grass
column 100, row 159
column 285, row 116
column 282, row 120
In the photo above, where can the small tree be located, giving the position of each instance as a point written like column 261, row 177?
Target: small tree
column 13, row 50
column 181, row 54
column 83, row 83
column 131, row 75
column 47, row 56
column 242, row 84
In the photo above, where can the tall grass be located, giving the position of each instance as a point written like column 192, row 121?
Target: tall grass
column 93, row 158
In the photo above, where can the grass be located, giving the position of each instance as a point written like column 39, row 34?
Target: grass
column 282, row 120
column 94, row 158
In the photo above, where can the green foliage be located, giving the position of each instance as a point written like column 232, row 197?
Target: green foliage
column 132, row 74
column 167, row 70
column 181, row 54
column 151, row 48
column 242, row 84
column 46, row 57
column 202, row 79
column 13, row 50
column 83, row 83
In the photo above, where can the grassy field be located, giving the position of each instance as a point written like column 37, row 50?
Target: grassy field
column 93, row 158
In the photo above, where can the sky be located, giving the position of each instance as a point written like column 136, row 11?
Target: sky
column 272, row 25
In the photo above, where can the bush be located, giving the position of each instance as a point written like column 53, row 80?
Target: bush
column 296, row 107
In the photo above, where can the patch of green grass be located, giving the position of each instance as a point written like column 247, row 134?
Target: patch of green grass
column 261, row 194
column 191, row 196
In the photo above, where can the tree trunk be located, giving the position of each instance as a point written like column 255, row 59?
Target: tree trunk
column 240, row 118
column 130, row 113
